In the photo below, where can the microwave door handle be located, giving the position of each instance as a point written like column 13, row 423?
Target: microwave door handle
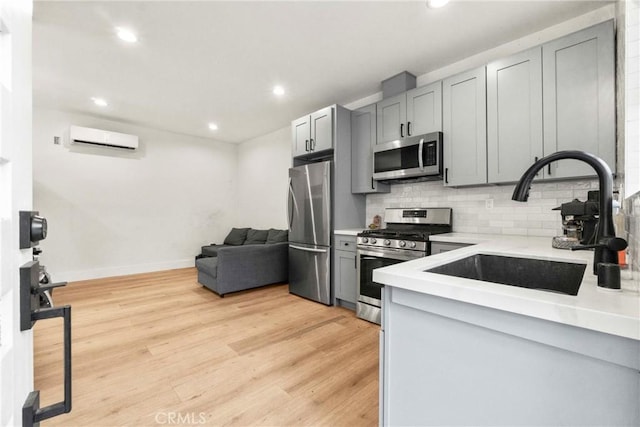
column 420, row 148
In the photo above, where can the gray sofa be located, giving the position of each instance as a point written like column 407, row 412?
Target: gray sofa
column 257, row 259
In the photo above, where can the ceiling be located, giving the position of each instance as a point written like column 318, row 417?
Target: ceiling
column 217, row 61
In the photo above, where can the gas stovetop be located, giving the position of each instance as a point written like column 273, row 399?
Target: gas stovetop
column 408, row 228
column 418, row 235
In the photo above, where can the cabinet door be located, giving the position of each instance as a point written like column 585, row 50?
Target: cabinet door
column 345, row 276
column 301, row 131
column 579, row 98
column 424, row 109
column 514, row 115
column 464, row 126
column 391, row 118
column 440, row 247
column 363, row 138
column 322, row 130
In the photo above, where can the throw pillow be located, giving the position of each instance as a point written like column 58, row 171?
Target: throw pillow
column 236, row 236
column 256, row 237
column 277, row 236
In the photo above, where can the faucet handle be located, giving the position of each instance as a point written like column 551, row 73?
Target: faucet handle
column 612, row 243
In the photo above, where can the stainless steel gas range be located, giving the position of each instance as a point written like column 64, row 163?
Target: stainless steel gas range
column 405, row 238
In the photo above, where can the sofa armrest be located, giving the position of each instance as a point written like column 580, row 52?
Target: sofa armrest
column 252, row 265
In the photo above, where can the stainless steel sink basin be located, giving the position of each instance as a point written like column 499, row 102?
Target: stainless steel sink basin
column 555, row 276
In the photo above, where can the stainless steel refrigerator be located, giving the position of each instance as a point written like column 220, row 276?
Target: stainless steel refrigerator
column 310, row 227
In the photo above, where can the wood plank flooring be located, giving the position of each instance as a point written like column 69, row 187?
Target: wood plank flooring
column 159, row 349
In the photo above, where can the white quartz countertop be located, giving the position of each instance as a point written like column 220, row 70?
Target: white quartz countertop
column 594, row 308
column 349, row 231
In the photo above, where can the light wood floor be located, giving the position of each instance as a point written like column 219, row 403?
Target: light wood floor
column 159, row 349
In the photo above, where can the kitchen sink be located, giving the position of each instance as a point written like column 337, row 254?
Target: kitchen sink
column 554, row 276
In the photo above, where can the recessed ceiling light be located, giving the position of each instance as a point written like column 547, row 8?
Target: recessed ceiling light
column 434, row 4
column 278, row 90
column 213, row 126
column 99, row 102
column 126, row 35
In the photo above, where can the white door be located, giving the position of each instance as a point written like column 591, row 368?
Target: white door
column 16, row 348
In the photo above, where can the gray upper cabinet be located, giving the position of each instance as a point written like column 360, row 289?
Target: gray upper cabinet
column 313, row 133
column 514, row 115
column 414, row 112
column 301, row 129
column 424, row 109
column 391, row 118
column 579, row 98
column 464, row 120
column 363, row 138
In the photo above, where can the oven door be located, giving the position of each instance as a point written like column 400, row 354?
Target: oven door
column 368, row 260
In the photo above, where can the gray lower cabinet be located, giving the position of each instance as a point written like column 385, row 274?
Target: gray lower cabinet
column 345, row 271
column 464, row 123
column 445, row 362
column 579, row 98
column 514, row 115
column 440, row 247
column 363, row 138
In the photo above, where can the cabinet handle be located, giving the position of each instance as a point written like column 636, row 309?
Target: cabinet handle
column 306, row 145
column 372, row 184
column 536, row 161
column 408, row 128
column 549, row 168
column 446, row 175
column 401, row 130
column 312, row 144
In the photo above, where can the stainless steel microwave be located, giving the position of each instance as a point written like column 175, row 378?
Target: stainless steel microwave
column 411, row 157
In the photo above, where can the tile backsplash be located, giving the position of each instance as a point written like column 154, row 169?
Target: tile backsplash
column 488, row 209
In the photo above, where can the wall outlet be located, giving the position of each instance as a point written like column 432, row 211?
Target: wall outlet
column 488, row 204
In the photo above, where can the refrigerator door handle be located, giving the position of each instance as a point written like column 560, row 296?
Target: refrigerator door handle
column 291, row 204
column 320, row 251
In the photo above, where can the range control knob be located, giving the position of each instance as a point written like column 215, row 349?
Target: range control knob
column 412, row 244
column 365, row 240
column 373, row 241
column 387, row 242
column 402, row 243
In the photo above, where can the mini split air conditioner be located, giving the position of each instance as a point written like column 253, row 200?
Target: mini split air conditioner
column 104, row 138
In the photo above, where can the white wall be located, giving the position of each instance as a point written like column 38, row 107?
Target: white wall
column 263, row 165
column 113, row 212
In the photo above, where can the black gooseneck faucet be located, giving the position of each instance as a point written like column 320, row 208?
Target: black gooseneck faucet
column 607, row 245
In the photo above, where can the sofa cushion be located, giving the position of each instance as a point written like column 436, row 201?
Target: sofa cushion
column 236, row 236
column 277, row 236
column 208, row 265
column 256, row 237
column 212, row 250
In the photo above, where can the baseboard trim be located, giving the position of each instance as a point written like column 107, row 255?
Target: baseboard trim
column 99, row 273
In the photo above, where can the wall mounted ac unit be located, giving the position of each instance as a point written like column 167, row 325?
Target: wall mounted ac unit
column 104, row 138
